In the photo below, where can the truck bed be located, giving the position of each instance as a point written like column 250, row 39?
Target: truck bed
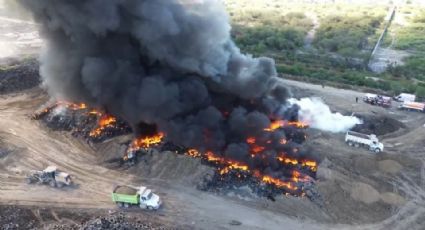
column 125, row 194
column 356, row 134
column 125, row 190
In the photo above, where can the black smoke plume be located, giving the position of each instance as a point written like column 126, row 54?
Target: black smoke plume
column 167, row 63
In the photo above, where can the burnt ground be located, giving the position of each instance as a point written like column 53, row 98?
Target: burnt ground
column 359, row 189
column 378, row 124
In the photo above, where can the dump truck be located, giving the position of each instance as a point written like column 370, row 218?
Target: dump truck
column 126, row 196
column 50, row 176
column 363, row 140
column 413, row 106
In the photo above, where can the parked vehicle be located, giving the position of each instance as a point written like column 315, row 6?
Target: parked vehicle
column 50, row 176
column 363, row 140
column 405, row 97
column 369, row 97
column 413, row 106
column 126, row 196
column 378, row 100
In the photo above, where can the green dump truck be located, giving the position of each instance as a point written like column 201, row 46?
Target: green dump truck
column 126, row 196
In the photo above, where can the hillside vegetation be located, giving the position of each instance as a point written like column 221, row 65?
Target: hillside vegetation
column 345, row 37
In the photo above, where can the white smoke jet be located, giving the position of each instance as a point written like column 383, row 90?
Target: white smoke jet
column 318, row 115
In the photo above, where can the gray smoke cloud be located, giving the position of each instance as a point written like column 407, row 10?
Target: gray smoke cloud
column 170, row 63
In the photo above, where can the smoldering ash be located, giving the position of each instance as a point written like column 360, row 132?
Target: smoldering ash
column 167, row 63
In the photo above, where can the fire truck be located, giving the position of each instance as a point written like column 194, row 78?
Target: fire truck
column 378, row 100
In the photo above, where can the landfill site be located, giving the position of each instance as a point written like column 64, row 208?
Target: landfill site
column 328, row 159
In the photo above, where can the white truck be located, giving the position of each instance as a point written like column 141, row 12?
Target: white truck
column 359, row 139
column 405, row 97
column 126, row 196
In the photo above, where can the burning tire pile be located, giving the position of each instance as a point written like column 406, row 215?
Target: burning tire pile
column 93, row 125
column 267, row 173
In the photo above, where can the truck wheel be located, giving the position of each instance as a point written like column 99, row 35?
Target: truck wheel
column 377, row 150
column 126, row 205
column 60, row 185
column 356, row 145
column 119, row 204
column 52, row 184
column 149, row 208
column 142, row 206
column 28, row 180
column 350, row 143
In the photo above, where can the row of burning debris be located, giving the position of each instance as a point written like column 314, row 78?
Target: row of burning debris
column 97, row 126
column 92, row 124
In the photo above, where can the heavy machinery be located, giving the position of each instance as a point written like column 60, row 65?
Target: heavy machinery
column 413, row 106
column 50, row 176
column 126, row 196
column 363, row 140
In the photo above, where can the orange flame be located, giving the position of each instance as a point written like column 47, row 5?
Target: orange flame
column 311, row 164
column 233, row 165
column 251, row 140
column 193, row 153
column 278, row 183
column 296, row 177
column 288, row 160
column 282, row 123
column 145, row 142
column 257, row 149
column 70, row 105
column 104, row 122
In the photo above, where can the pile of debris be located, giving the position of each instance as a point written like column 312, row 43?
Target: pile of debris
column 117, row 222
column 13, row 218
column 90, row 124
column 18, row 75
column 291, row 174
column 378, row 125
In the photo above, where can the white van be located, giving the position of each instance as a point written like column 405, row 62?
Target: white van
column 405, row 97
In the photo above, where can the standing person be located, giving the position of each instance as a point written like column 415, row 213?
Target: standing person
column 357, row 99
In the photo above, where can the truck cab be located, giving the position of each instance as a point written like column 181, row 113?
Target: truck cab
column 62, row 177
column 359, row 139
column 125, row 196
column 148, row 199
column 376, row 146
